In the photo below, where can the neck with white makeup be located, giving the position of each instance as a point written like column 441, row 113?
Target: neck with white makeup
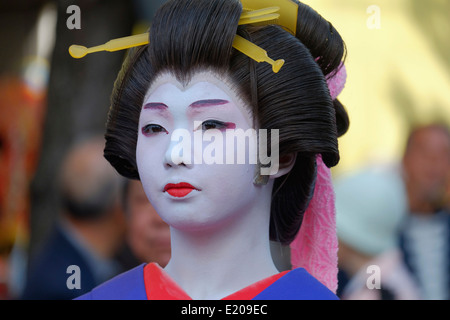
column 211, row 264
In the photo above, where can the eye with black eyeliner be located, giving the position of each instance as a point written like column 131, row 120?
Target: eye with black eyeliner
column 152, row 129
column 216, row 124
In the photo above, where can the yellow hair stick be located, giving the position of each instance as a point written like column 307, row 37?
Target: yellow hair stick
column 112, row 45
column 256, row 53
column 241, row 44
column 260, row 12
column 288, row 11
column 256, row 19
column 255, row 16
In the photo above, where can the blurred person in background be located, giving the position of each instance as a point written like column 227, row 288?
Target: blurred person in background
column 425, row 235
column 89, row 230
column 147, row 235
column 370, row 206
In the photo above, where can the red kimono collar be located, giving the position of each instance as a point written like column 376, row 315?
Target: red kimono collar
column 159, row 286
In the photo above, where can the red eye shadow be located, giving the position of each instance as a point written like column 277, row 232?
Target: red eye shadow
column 209, row 103
column 230, row 125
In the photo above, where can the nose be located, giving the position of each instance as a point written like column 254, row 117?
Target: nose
column 178, row 152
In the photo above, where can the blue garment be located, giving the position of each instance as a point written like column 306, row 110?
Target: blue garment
column 126, row 286
column 47, row 273
column 425, row 243
column 297, row 284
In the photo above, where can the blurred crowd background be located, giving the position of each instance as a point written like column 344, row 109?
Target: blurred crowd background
column 56, row 196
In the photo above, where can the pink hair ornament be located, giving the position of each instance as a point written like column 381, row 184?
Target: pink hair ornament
column 315, row 247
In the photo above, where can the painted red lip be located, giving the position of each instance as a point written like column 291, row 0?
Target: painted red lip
column 179, row 190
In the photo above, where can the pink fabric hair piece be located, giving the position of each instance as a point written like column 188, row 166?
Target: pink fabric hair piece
column 336, row 83
column 315, row 247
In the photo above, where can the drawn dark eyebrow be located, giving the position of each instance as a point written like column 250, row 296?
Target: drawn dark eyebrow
column 208, row 103
column 155, row 105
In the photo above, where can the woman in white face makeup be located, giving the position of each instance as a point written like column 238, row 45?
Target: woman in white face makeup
column 190, row 82
column 219, row 217
column 193, row 189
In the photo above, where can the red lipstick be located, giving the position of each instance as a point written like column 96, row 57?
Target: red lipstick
column 179, row 190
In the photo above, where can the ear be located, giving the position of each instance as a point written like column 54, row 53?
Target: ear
column 285, row 165
column 278, row 167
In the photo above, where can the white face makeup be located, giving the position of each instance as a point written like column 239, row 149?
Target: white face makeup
column 190, row 195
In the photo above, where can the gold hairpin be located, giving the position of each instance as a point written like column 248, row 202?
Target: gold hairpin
column 112, row 45
column 288, row 11
column 256, row 53
column 253, row 14
column 261, row 15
